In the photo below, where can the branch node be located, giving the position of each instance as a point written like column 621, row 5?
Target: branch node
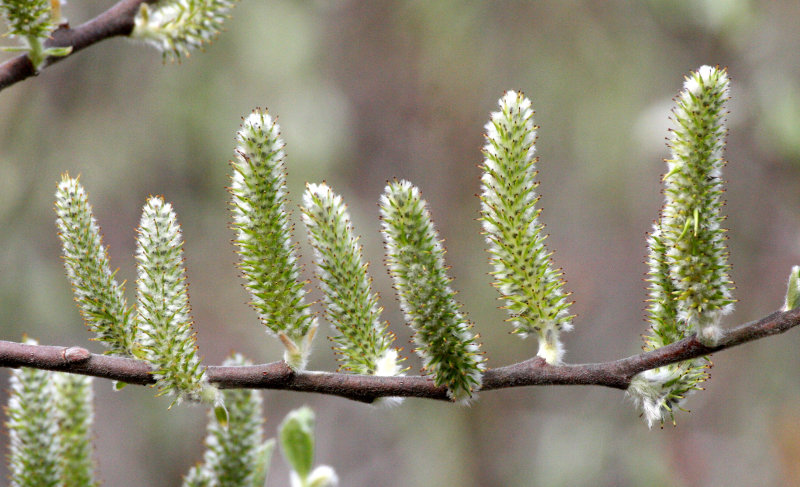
column 75, row 355
column 538, row 362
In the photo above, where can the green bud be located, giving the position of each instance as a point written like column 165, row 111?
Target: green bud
column 793, row 290
column 296, row 434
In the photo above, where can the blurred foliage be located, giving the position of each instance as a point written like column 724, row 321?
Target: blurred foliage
column 368, row 91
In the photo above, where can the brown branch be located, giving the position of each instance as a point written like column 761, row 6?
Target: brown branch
column 116, row 21
column 278, row 375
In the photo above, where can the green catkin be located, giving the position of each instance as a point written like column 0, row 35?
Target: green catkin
column 524, row 275
column 689, row 286
column 73, row 409
column 415, row 258
column 691, row 220
column 660, row 391
column 33, row 21
column 363, row 343
column 33, row 440
column 98, row 295
column 263, row 237
column 236, row 454
column 176, row 27
column 164, row 321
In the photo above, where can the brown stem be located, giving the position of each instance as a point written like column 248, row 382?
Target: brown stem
column 278, row 375
column 116, row 21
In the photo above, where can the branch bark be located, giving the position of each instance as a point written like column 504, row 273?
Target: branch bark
column 116, row 21
column 277, row 375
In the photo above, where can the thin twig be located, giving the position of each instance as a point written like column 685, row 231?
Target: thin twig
column 116, row 21
column 277, row 375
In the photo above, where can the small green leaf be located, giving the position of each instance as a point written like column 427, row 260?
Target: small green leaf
column 58, row 51
column 296, row 434
column 222, row 415
column 793, row 290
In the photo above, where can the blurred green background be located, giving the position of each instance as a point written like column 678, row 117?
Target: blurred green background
column 370, row 90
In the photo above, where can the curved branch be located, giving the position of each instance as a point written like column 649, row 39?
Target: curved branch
column 277, row 375
column 116, row 21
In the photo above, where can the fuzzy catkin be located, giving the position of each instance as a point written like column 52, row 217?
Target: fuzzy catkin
column 164, row 320
column 529, row 284
column 691, row 219
column 178, row 27
column 236, row 453
column 363, row 342
column 689, row 286
column 415, row 258
column 263, row 237
column 100, row 298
